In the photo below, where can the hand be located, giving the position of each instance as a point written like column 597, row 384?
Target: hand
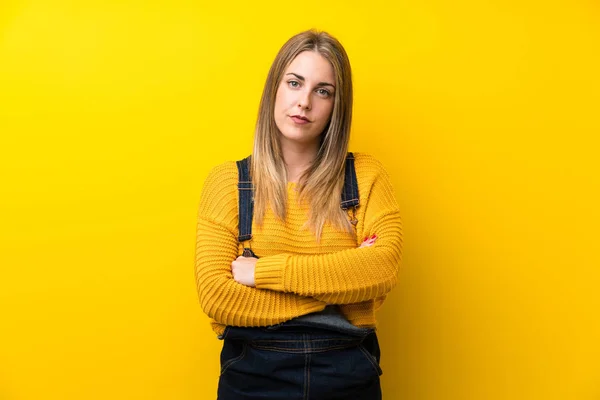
column 243, row 270
column 368, row 241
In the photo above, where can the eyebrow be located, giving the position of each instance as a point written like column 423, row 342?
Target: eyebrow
column 302, row 79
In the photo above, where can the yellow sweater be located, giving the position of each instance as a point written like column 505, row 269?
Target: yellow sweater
column 294, row 275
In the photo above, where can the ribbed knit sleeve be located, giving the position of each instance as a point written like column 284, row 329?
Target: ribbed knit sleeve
column 352, row 275
column 221, row 297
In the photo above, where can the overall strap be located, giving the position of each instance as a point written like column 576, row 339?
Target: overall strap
column 246, row 199
column 350, row 191
column 349, row 197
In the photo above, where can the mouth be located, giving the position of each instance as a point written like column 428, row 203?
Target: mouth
column 299, row 119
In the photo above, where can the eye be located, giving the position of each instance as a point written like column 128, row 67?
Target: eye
column 324, row 92
column 293, row 84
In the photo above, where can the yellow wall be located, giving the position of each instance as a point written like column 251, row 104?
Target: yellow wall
column 485, row 113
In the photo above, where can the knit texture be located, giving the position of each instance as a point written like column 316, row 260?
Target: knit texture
column 295, row 275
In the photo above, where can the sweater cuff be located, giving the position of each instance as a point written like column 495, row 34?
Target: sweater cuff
column 268, row 272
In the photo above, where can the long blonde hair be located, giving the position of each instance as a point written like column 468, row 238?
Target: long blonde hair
column 321, row 184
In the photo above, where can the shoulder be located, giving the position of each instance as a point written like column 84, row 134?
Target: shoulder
column 368, row 167
column 219, row 192
column 226, row 171
column 374, row 183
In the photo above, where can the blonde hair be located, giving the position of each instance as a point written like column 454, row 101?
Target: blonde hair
column 321, row 184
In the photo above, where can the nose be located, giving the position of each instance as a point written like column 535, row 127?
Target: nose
column 304, row 101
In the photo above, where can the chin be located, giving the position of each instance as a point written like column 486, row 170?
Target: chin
column 297, row 137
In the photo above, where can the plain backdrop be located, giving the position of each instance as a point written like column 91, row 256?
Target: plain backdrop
column 485, row 113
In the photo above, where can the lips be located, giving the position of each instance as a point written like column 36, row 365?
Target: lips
column 299, row 120
column 300, row 117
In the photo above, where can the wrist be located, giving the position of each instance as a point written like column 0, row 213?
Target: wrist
column 269, row 272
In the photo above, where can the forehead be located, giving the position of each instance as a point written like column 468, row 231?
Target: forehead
column 312, row 66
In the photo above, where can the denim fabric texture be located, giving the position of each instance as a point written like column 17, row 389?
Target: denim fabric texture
column 298, row 363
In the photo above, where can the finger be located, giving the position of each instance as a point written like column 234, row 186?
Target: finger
column 242, row 258
column 369, row 241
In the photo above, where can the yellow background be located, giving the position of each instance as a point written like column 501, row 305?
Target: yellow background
column 486, row 114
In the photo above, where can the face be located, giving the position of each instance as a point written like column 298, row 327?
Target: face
column 304, row 100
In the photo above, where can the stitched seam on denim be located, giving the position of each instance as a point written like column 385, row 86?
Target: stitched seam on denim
column 345, row 193
column 226, row 331
column 346, row 180
column 245, row 207
column 300, row 350
column 299, row 341
column 234, row 360
column 349, row 201
column 351, row 178
column 307, row 394
column 248, row 228
column 354, row 179
column 305, row 366
column 370, row 358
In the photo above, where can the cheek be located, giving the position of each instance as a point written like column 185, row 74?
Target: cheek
column 281, row 107
column 277, row 99
column 330, row 108
column 327, row 111
column 286, row 98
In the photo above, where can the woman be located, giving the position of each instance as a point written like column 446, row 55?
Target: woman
column 298, row 245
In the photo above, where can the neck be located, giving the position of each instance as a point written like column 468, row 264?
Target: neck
column 298, row 157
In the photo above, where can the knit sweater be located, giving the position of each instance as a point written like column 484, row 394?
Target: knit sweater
column 294, row 274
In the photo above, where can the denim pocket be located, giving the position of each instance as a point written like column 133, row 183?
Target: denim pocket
column 224, row 334
column 371, row 359
column 233, row 351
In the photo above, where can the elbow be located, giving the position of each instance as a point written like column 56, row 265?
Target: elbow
column 209, row 291
column 392, row 254
column 215, row 308
column 388, row 282
column 391, row 260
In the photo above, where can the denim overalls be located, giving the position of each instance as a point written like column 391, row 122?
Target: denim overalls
column 296, row 360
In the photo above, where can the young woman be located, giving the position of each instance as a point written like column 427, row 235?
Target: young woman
column 298, row 244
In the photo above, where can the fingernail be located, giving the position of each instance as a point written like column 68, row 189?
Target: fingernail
column 374, row 237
